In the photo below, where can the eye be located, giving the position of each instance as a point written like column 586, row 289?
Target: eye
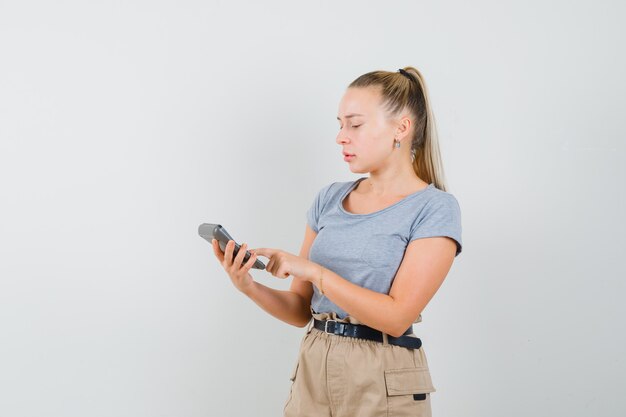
column 356, row 126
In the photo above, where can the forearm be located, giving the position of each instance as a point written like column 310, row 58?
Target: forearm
column 284, row 305
column 369, row 307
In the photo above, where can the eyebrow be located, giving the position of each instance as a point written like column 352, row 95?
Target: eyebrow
column 350, row 115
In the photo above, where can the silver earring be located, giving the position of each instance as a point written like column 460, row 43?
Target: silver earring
column 397, row 144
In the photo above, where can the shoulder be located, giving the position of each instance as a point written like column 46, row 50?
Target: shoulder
column 440, row 206
column 440, row 216
column 442, row 199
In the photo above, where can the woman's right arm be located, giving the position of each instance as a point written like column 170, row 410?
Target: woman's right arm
column 291, row 306
column 287, row 306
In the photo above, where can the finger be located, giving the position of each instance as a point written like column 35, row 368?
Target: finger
column 250, row 262
column 228, row 253
column 240, row 255
column 282, row 274
column 266, row 252
column 216, row 250
column 218, row 245
column 270, row 265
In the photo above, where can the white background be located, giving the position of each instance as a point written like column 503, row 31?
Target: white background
column 126, row 124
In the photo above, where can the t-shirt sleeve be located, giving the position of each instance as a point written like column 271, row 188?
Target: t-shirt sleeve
column 440, row 218
column 315, row 210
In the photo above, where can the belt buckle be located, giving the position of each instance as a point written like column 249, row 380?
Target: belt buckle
column 326, row 326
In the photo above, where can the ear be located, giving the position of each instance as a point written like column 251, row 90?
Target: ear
column 404, row 127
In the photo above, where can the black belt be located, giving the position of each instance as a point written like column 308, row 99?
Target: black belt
column 364, row 332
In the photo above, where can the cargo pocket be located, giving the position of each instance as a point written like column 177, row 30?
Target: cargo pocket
column 408, row 392
column 292, row 378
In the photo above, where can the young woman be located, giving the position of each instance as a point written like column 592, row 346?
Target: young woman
column 375, row 251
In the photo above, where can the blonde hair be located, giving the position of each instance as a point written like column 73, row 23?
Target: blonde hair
column 399, row 93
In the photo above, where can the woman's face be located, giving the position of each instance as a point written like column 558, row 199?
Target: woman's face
column 364, row 130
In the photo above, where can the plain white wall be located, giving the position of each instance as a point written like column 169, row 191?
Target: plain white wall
column 124, row 125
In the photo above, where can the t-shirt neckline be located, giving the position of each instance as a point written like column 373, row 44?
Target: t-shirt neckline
column 356, row 182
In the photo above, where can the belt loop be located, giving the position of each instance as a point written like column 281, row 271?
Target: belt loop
column 312, row 322
column 385, row 339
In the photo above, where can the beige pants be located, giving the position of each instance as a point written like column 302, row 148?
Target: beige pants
column 337, row 376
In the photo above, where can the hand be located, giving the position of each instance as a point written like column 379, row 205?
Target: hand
column 238, row 273
column 282, row 264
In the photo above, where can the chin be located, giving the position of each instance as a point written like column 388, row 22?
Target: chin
column 358, row 170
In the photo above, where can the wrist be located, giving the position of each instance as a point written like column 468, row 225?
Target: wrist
column 249, row 289
column 317, row 276
column 313, row 273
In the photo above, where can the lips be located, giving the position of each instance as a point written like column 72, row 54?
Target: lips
column 348, row 154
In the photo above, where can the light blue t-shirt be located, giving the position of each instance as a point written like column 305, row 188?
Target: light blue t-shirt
column 367, row 249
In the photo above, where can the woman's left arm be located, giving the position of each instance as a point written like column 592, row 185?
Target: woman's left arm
column 425, row 265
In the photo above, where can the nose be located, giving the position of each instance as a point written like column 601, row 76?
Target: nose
column 342, row 138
